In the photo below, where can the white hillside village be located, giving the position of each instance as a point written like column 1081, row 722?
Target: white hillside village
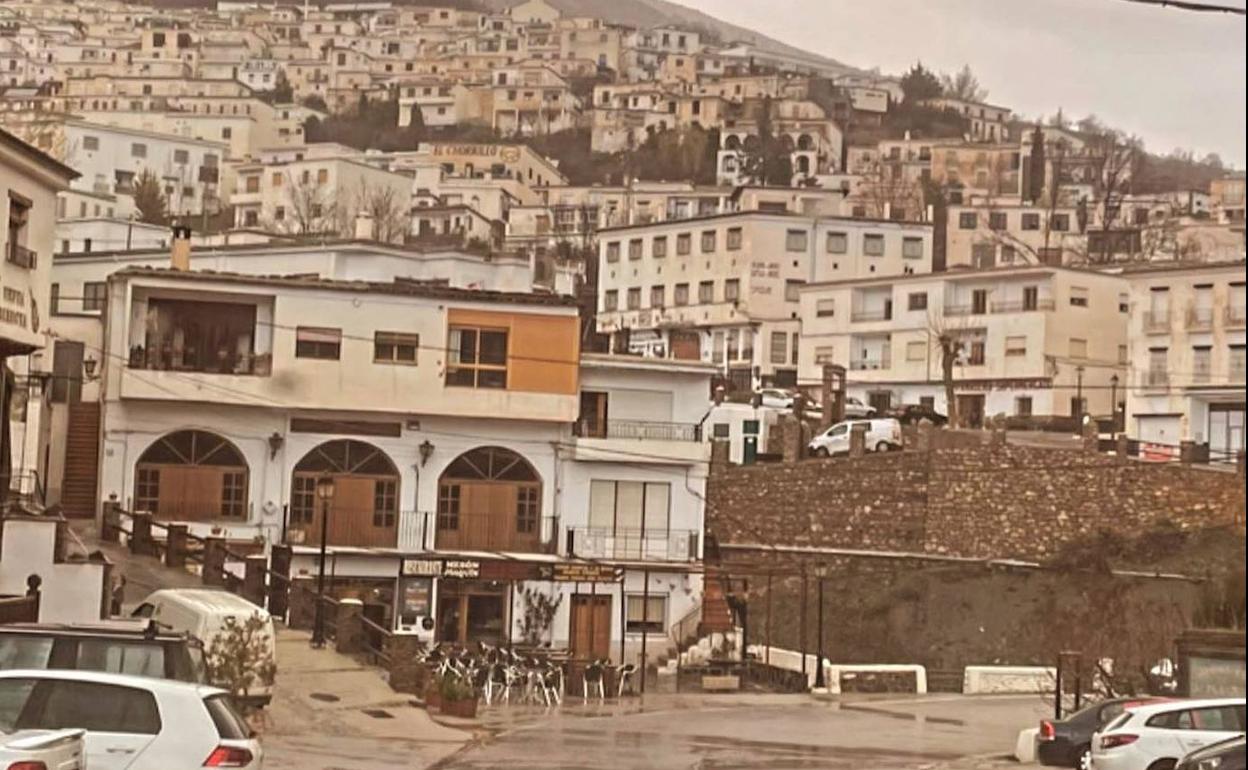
column 567, row 384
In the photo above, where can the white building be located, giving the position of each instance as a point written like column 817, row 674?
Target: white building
column 1187, row 332
column 29, row 183
column 477, row 460
column 1033, row 339
column 725, row 289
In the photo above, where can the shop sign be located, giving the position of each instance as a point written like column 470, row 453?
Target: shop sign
column 461, row 568
column 582, row 573
column 415, row 600
column 422, row 568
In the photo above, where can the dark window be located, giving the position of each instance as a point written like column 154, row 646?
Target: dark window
column 229, row 723
column 316, row 342
column 395, row 348
column 1031, row 221
column 917, row 301
column 104, row 708
column 234, row 494
column 93, row 295
column 527, row 507
column 968, row 220
column 997, row 220
column 1060, row 223
column 477, row 357
column 385, row 502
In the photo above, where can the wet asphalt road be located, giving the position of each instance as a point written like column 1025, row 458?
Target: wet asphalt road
column 777, row 733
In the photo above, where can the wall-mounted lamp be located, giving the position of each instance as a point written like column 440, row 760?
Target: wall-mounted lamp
column 275, row 444
column 88, row 369
column 426, row 451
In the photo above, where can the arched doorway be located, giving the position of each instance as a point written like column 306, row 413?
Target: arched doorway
column 192, row 475
column 364, row 510
column 490, row 498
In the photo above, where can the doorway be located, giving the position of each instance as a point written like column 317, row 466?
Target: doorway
column 971, row 411
column 472, row 611
column 590, row 633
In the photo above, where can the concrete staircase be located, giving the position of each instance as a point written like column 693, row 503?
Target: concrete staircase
column 82, row 460
column 716, row 616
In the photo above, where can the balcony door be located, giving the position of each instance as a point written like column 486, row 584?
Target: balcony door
column 364, row 509
column 489, row 499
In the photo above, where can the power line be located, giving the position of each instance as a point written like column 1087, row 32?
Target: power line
column 1183, row 5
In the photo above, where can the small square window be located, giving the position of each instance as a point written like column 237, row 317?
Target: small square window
column 316, row 342
column 912, row 248
column 968, row 220
column 658, row 248
column 795, row 240
column 708, row 241
column 734, row 238
column 917, row 301
column 873, row 245
column 838, row 243
column 1031, row 221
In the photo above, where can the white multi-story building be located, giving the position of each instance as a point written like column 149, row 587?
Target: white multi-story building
column 1033, row 339
column 520, row 469
column 1187, row 334
column 725, row 289
column 29, row 183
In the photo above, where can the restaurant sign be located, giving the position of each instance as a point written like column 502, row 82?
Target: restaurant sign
column 582, row 573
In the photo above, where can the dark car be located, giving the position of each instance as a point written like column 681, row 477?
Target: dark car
column 916, row 414
column 116, row 646
column 1223, row 755
column 1068, row 742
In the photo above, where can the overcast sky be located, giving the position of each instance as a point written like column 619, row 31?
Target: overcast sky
column 1174, row 77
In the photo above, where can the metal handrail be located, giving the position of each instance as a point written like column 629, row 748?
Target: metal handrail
column 667, row 545
column 1023, row 306
column 638, row 429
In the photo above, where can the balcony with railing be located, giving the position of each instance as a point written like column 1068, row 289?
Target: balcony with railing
column 21, row 256
column 361, row 529
column 1235, row 316
column 1202, row 373
column 1199, row 318
column 960, row 311
column 1156, row 378
column 1156, row 321
column 645, row 441
column 865, row 316
column 508, row 531
column 668, row 545
column 871, row 363
column 1023, row 306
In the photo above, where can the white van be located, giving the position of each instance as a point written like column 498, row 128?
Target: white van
column 204, row 613
column 883, row 435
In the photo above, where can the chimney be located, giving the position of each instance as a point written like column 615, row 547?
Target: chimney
column 364, row 230
column 180, row 252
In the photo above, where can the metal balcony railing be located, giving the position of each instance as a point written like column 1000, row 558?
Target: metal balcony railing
column 1156, row 320
column 965, row 310
column 21, row 256
column 1156, row 378
column 510, row 531
column 1023, row 306
column 638, row 429
column 861, row 316
column 1202, row 372
column 870, row 364
column 665, row 545
column 1200, row 318
column 1235, row 316
column 361, row 528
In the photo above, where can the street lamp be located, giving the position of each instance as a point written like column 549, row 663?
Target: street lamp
column 1079, row 396
column 324, row 493
column 1113, row 400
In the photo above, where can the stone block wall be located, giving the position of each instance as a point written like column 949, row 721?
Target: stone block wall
column 967, row 499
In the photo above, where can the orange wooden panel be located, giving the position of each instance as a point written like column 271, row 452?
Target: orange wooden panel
column 543, row 350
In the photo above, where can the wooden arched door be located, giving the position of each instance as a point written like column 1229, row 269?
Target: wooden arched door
column 490, row 499
column 364, row 510
column 192, row 475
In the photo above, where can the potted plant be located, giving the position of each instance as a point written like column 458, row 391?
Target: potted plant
column 459, row 697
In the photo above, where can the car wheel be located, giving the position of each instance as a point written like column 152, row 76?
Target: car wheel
column 1085, row 759
column 883, row 446
column 821, row 452
column 1163, row 764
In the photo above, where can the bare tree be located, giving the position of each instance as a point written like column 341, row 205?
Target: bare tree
column 964, row 85
column 313, row 210
column 1115, row 158
column 949, row 336
column 384, row 205
column 885, row 190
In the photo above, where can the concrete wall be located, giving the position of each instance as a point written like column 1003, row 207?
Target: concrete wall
column 72, row 591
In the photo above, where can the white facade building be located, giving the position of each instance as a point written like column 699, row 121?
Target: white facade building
column 1187, row 338
column 1034, row 339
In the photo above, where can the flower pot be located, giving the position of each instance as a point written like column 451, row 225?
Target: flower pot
column 466, row 709
column 433, row 697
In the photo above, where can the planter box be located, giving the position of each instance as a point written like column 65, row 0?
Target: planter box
column 721, row 683
column 433, row 698
column 466, row 709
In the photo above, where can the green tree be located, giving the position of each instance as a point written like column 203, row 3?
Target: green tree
column 920, row 83
column 765, row 158
column 1036, row 166
column 282, row 92
column 239, row 658
column 150, row 199
column 964, row 85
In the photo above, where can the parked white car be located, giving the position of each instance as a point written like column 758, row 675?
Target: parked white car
column 855, row 408
column 1157, row 736
column 131, row 722
column 883, row 435
column 43, row 749
column 204, row 613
